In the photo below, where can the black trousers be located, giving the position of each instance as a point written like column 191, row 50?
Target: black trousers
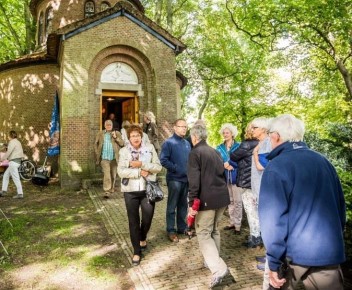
column 138, row 228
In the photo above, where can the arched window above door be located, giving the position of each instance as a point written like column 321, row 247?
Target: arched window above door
column 89, row 9
column 120, row 73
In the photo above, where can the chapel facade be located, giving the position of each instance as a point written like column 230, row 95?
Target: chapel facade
column 100, row 57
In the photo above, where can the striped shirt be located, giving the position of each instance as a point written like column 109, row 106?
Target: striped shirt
column 107, row 152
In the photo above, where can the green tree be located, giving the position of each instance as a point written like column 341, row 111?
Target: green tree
column 17, row 29
column 323, row 28
column 174, row 15
column 227, row 72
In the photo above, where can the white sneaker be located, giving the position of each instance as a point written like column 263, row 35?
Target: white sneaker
column 217, row 279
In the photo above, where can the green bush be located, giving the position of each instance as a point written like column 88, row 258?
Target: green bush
column 346, row 181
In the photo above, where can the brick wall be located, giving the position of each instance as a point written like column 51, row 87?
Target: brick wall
column 83, row 58
column 26, row 102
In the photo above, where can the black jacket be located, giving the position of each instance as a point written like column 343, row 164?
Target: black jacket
column 206, row 178
column 243, row 157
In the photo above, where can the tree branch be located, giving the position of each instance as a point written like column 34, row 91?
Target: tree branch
column 251, row 36
column 14, row 34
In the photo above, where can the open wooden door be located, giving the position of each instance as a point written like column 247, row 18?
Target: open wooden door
column 124, row 105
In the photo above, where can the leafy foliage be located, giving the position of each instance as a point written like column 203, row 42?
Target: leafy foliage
column 322, row 28
column 17, row 29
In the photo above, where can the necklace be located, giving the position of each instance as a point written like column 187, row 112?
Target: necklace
column 228, row 147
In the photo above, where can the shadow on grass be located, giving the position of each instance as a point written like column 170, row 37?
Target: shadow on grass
column 58, row 241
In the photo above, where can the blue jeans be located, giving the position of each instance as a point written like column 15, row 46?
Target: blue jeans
column 176, row 206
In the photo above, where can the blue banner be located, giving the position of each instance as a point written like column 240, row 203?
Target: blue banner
column 54, row 145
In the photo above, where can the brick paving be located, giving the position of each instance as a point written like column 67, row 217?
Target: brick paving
column 178, row 266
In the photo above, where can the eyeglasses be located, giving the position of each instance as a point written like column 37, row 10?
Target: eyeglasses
column 135, row 136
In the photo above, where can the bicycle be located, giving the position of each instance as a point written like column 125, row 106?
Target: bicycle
column 26, row 169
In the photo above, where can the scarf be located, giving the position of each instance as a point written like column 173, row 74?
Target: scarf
column 137, row 154
column 225, row 155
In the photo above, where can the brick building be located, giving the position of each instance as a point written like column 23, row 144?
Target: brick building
column 101, row 57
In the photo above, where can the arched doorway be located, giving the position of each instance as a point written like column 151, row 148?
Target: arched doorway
column 120, row 90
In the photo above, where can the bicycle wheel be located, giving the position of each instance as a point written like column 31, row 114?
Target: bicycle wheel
column 26, row 170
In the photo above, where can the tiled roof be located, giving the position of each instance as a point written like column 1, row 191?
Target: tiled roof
column 34, row 3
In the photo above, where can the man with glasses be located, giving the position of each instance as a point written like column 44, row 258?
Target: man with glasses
column 174, row 157
column 107, row 146
column 301, row 212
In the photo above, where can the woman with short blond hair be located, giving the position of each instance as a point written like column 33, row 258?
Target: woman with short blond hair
column 151, row 129
column 243, row 157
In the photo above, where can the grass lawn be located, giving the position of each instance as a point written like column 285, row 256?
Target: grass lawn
column 57, row 240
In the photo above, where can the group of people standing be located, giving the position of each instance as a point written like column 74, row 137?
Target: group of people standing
column 291, row 195
column 293, row 200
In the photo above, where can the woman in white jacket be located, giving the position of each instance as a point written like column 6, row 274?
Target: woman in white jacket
column 136, row 162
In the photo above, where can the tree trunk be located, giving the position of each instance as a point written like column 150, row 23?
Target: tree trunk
column 205, row 102
column 169, row 15
column 346, row 77
column 158, row 11
column 30, row 28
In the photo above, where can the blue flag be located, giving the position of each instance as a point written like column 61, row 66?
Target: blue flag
column 54, row 145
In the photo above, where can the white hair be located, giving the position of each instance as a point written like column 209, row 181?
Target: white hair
column 108, row 122
column 231, row 127
column 125, row 124
column 263, row 123
column 150, row 115
column 288, row 127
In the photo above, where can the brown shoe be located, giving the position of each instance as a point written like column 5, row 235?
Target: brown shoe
column 173, row 238
column 231, row 227
column 106, row 194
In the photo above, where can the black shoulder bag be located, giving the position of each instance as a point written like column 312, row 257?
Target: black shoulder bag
column 153, row 191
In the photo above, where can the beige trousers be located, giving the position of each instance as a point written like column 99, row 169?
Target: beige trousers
column 235, row 206
column 208, row 235
column 313, row 278
column 109, row 170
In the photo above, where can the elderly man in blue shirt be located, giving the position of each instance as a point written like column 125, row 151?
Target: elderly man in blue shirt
column 301, row 212
column 107, row 146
